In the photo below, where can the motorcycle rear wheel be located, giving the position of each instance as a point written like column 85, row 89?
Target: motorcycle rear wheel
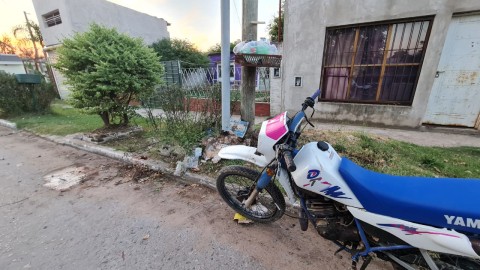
column 235, row 184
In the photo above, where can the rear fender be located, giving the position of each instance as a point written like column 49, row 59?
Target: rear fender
column 245, row 153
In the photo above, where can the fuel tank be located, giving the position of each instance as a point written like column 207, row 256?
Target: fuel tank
column 317, row 171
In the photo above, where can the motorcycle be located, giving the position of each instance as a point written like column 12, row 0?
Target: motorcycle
column 412, row 222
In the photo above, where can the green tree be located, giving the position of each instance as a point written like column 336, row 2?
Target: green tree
column 183, row 50
column 106, row 70
column 273, row 27
column 217, row 48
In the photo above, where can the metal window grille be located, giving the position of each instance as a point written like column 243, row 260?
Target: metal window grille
column 374, row 63
column 53, row 18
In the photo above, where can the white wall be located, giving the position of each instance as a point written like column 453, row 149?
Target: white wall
column 276, row 88
column 78, row 15
column 53, row 35
column 305, row 27
column 15, row 68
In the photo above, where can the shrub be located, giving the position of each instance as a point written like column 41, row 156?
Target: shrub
column 106, row 70
column 18, row 98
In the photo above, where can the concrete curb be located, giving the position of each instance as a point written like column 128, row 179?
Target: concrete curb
column 8, row 124
column 154, row 165
column 158, row 166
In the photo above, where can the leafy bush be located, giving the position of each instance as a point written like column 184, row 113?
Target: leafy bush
column 18, row 98
column 106, row 70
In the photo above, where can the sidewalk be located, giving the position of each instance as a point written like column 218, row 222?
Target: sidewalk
column 442, row 137
column 424, row 138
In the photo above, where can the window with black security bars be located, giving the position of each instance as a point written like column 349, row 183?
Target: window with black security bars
column 375, row 63
column 52, row 18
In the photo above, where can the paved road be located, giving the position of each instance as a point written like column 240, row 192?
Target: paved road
column 112, row 222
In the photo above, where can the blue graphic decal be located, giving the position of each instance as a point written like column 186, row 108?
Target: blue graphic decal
column 335, row 192
column 312, row 174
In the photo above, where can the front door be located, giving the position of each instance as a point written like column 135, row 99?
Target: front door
column 455, row 97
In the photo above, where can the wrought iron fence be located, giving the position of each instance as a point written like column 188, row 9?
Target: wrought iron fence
column 197, row 79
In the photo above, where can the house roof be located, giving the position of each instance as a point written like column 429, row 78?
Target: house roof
column 10, row 58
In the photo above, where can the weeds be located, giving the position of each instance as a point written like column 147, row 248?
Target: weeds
column 185, row 120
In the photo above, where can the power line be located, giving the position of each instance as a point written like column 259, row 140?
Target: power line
column 236, row 11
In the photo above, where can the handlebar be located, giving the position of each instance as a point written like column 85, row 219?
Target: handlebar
column 286, row 149
column 310, row 101
column 316, row 94
column 287, row 156
column 285, row 152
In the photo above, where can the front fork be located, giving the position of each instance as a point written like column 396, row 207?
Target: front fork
column 262, row 183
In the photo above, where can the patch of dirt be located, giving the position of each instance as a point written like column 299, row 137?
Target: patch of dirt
column 65, row 178
column 279, row 245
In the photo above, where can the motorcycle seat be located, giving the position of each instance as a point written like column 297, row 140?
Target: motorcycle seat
column 442, row 202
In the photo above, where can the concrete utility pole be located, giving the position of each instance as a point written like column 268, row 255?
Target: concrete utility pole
column 33, row 41
column 225, row 18
column 279, row 22
column 247, row 88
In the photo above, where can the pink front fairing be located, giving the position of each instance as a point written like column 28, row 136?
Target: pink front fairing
column 276, row 127
column 271, row 132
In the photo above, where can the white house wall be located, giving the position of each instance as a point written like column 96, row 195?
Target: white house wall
column 78, row 15
column 276, row 88
column 305, row 27
column 13, row 68
column 55, row 34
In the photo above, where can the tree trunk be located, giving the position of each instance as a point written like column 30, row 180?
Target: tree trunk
column 125, row 119
column 105, row 118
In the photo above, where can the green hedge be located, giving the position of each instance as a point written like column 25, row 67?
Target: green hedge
column 18, row 98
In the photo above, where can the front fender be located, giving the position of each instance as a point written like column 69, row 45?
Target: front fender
column 243, row 152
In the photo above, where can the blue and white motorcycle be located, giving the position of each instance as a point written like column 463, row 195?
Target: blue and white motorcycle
column 413, row 222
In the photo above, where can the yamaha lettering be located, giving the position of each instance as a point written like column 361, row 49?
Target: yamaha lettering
column 464, row 222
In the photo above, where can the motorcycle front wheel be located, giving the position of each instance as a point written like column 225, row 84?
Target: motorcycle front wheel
column 236, row 183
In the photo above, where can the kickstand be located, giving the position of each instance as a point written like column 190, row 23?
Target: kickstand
column 341, row 249
column 366, row 262
column 354, row 265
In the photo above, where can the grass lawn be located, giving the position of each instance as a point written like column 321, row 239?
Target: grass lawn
column 401, row 158
column 61, row 120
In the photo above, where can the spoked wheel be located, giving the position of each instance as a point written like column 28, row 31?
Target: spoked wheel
column 236, row 183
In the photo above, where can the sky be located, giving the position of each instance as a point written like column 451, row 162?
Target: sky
column 195, row 20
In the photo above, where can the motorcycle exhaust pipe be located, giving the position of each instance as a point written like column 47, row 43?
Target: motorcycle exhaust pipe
column 475, row 245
